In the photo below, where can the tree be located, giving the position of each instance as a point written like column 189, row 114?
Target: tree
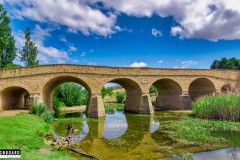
column 104, row 92
column 120, row 97
column 7, row 42
column 28, row 55
column 225, row 63
column 152, row 89
column 71, row 94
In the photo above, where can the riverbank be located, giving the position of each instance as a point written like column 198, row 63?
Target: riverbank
column 26, row 132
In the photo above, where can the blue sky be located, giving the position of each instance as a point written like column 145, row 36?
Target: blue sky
column 151, row 33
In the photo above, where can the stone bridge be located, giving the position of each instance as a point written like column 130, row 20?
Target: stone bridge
column 177, row 88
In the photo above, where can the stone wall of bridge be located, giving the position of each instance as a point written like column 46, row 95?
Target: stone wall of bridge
column 176, row 87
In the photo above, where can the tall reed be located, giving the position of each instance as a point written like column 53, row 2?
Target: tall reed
column 223, row 107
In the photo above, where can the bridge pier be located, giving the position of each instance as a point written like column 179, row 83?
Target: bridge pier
column 146, row 105
column 95, row 107
column 175, row 102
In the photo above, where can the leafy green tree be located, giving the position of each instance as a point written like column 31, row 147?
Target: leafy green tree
column 104, row 92
column 225, row 63
column 28, row 55
column 7, row 42
column 71, row 94
column 12, row 65
column 120, row 97
column 152, row 89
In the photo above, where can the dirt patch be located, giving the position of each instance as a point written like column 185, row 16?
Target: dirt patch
column 44, row 150
column 6, row 113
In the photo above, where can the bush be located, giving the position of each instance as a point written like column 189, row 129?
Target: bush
column 104, row 92
column 120, row 97
column 223, row 107
column 39, row 109
column 42, row 111
column 152, row 89
column 48, row 116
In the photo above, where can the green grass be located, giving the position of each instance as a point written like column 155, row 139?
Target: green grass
column 223, row 107
column 26, row 132
column 195, row 130
column 117, row 106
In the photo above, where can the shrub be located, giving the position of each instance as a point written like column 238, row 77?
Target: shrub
column 48, row 116
column 42, row 111
column 104, row 92
column 39, row 109
column 223, row 107
column 120, row 97
column 152, row 89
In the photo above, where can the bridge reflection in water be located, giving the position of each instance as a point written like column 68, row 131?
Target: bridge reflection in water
column 131, row 129
column 131, row 136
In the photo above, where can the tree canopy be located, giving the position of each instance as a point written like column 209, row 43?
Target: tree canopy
column 28, row 55
column 224, row 63
column 7, row 42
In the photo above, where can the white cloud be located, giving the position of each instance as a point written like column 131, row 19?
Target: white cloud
column 63, row 39
column 83, row 54
column 175, row 31
column 92, row 63
column 160, row 61
column 71, row 48
column 205, row 19
column 61, row 61
column 186, row 64
column 139, row 64
column 75, row 15
column 156, row 33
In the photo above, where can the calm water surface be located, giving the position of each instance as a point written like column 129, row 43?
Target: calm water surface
column 127, row 136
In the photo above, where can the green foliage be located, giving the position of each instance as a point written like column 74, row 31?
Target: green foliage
column 225, row 63
column 28, row 55
column 110, row 106
column 71, row 94
column 48, row 116
column 42, row 111
column 120, row 97
column 223, row 107
column 11, row 65
column 152, row 89
column 104, row 92
column 195, row 130
column 7, row 42
column 57, row 107
column 187, row 156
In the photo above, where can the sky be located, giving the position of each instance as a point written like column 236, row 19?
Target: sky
column 129, row 33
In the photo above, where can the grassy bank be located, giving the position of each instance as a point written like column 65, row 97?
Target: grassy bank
column 26, row 132
column 117, row 106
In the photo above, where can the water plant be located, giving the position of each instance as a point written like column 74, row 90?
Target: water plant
column 221, row 107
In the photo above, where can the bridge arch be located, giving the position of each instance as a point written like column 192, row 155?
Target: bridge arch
column 168, row 94
column 201, row 87
column 133, row 93
column 226, row 88
column 56, row 81
column 14, row 97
